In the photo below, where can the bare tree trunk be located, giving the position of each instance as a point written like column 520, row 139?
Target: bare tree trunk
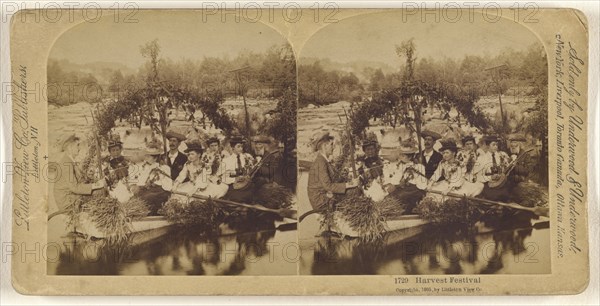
column 501, row 110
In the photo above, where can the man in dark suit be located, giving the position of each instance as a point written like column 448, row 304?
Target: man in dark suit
column 320, row 184
column 526, row 162
column 175, row 159
column 430, row 158
column 270, row 158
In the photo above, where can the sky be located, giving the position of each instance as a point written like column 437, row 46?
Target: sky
column 370, row 37
column 181, row 34
column 373, row 38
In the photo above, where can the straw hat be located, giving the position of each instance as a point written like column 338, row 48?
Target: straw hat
column 405, row 148
column 517, row 137
column 262, row 139
column 235, row 139
column 491, row 138
column 370, row 142
column 71, row 139
column 467, row 139
column 319, row 138
column 211, row 140
column 193, row 146
column 115, row 141
column 153, row 149
column 172, row 134
column 432, row 134
column 449, row 145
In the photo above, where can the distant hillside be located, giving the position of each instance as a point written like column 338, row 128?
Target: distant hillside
column 102, row 71
column 362, row 69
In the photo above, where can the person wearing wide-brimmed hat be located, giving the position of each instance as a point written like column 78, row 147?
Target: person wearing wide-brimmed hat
column 406, row 180
column 174, row 158
column 150, row 179
column 370, row 165
column 139, row 173
column 321, row 186
column 195, row 178
column 430, row 158
column 449, row 175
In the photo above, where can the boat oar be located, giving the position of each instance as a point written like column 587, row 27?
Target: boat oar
column 540, row 211
column 310, row 212
column 54, row 214
column 284, row 212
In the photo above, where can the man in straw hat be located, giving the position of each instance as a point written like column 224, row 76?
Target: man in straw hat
column 430, row 158
column 174, row 158
column 69, row 184
column 320, row 185
column 406, row 181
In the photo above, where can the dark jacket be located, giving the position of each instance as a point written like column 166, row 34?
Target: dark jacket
column 320, row 183
column 176, row 166
column 117, row 169
column 433, row 163
column 271, row 169
column 523, row 167
column 372, row 169
column 68, row 185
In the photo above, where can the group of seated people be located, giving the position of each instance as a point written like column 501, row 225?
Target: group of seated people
column 201, row 170
column 472, row 170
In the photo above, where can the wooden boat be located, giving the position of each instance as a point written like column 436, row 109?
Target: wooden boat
column 402, row 227
column 149, row 228
column 154, row 227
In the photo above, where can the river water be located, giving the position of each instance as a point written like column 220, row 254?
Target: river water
column 514, row 247
column 182, row 252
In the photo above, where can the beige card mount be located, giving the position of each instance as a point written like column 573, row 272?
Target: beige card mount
column 299, row 152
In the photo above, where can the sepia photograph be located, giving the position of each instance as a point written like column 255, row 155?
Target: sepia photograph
column 173, row 144
column 423, row 148
column 252, row 151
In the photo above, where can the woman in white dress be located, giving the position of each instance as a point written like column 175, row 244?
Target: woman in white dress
column 200, row 182
column 450, row 174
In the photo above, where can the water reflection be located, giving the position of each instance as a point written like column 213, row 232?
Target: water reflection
column 182, row 252
column 520, row 249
